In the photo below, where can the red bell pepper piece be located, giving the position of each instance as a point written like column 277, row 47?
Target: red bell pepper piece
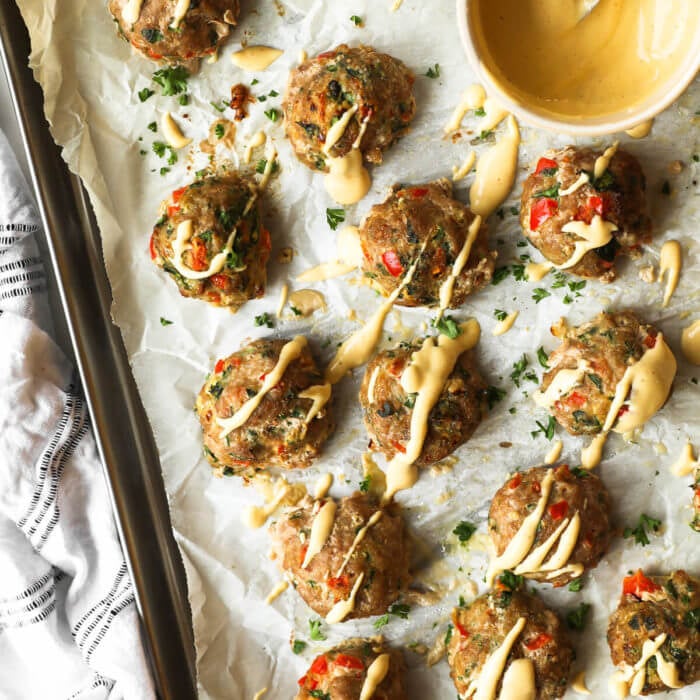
column 319, row 666
column 220, row 281
column 575, row 399
column 349, row 661
column 637, row 584
column 417, row 192
column 515, row 481
column 152, row 247
column 542, row 210
column 545, row 164
column 392, row 262
column 538, row 642
column 219, row 366
column 558, row 510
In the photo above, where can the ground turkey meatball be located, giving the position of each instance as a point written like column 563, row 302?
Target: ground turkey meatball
column 205, row 25
column 322, row 89
column 481, row 627
column 217, row 208
column 276, row 434
column 572, row 492
column 340, row 673
column 618, row 196
column 382, row 556
column 598, row 352
column 667, row 605
column 388, row 408
column 394, row 232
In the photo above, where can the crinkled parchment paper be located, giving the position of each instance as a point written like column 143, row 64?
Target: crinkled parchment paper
column 91, row 79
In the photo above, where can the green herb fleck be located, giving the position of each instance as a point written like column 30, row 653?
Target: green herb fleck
column 640, row 532
column 381, row 622
column 479, row 112
column 152, row 35
column 447, row 326
column 464, row 531
column 433, row 72
column 272, row 114
column 217, row 107
column 264, row 320
column 356, row 20
column 576, row 619
column 539, row 293
column 576, row 585
column 500, row 315
column 550, row 192
column 364, row 484
column 448, row 634
column 153, row 126
column 546, row 430
column 494, row 394
column 262, row 164
column 298, row 646
column 335, row 217
column 145, row 94
column 219, row 131
column 542, row 357
column 315, row 631
column 184, row 100
column 510, row 580
column 173, row 79
column 165, row 322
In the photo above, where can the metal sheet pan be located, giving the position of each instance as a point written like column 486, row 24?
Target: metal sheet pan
column 123, row 435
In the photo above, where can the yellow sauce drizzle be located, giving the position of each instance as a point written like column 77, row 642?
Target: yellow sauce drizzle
column 358, row 348
column 396, row 5
column 564, row 381
column 371, row 471
column 596, row 234
column 284, row 293
column 180, row 11
column 320, row 531
column 306, row 302
column 276, row 493
column 506, row 324
column 670, row 261
column 348, row 180
column 374, row 519
column 473, row 98
column 181, row 244
column 322, row 486
column 686, row 462
column 320, row 395
column 172, row 133
column 425, row 376
column 256, row 141
column 371, row 385
column 344, row 607
column 602, row 163
column 447, row 287
column 459, row 173
column 376, row 673
column 256, row 58
column 290, row 352
column 537, row 271
column 519, row 681
column 276, row 592
column 495, row 172
column 648, row 383
column 578, row 685
column 554, row 453
column 302, row 56
column 259, row 694
column 690, row 343
column 583, row 179
column 325, row 271
column 132, row 11
column 641, row 130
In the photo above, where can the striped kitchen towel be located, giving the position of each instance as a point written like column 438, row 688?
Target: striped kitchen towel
column 69, row 627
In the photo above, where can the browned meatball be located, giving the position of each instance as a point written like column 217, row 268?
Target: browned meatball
column 277, row 432
column 387, row 408
column 601, row 350
column 394, row 232
column 382, row 556
column 340, row 673
column 216, row 206
column 648, row 608
column 205, row 25
column 618, row 196
column 481, row 627
column 322, row 89
column 581, row 492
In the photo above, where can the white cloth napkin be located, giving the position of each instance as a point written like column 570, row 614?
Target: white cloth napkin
column 69, row 627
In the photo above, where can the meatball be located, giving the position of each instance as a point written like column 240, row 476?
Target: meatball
column 205, row 25
column 382, row 556
column 618, row 196
column 322, row 89
column 387, row 408
column 595, row 356
column 341, row 673
column 395, row 231
column 278, row 432
column 579, row 492
column 227, row 238
column 648, row 608
column 481, row 627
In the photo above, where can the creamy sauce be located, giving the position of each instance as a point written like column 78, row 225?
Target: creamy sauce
column 290, row 352
column 447, row 287
column 376, row 673
column 358, row 348
column 306, row 302
column 519, row 681
column 670, row 262
column 256, row 58
column 349, row 247
column 554, row 453
column 320, row 395
column 180, row 11
column 459, row 173
column 522, row 559
column 344, row 607
column 564, row 381
column 396, row 5
column 348, row 180
column 578, row 685
column 284, row 293
column 256, row 141
column 335, row 133
column 372, row 383
column 537, row 271
column 184, row 233
column 546, row 56
column 425, row 376
column 302, row 56
column 227, row 129
column 602, row 163
column 583, row 179
column 377, row 478
column 495, row 172
column 132, row 11
column 259, row 694
column 374, row 519
column 322, row 486
column 276, row 592
column 596, row 234
column 172, row 133
column 506, row 324
column 495, row 114
column 686, row 462
column 276, row 493
column 325, row 271
column 320, row 531
column 690, row 343
column 484, row 687
column 214, row 57
column 473, row 98
column 641, row 130
column 648, row 383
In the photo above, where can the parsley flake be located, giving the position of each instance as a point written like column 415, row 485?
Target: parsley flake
column 165, row 322
column 640, row 532
column 335, row 217
column 464, row 531
column 433, row 72
column 315, row 631
column 447, row 326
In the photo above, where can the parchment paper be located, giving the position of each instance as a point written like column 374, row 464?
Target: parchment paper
column 91, row 79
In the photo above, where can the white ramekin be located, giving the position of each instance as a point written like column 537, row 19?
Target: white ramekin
column 592, row 126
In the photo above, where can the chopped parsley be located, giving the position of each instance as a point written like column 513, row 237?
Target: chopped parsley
column 164, row 171
column 264, row 320
column 519, row 372
column 539, row 293
column 433, row 72
column 298, row 646
column 315, row 631
column 640, row 532
column 184, row 100
column 219, row 131
column 145, row 94
column 159, row 148
column 272, row 114
column 165, row 322
column 397, row 610
column 576, row 585
column 356, row 20
column 447, row 326
column 550, row 192
column 381, row 621
column 319, row 694
column 542, row 357
column 448, row 634
column 479, row 112
column 596, row 380
column 152, row 35
column 335, row 217
column 262, row 164
column 296, row 311
column 692, row 618
column 216, row 390
column 153, row 126
column 500, row 315
column 173, row 79
column 546, row 430
column 364, row 484
column 218, row 107
column 510, row 580
column 494, row 394
column 576, row 618
column 464, row 531
column 499, row 274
